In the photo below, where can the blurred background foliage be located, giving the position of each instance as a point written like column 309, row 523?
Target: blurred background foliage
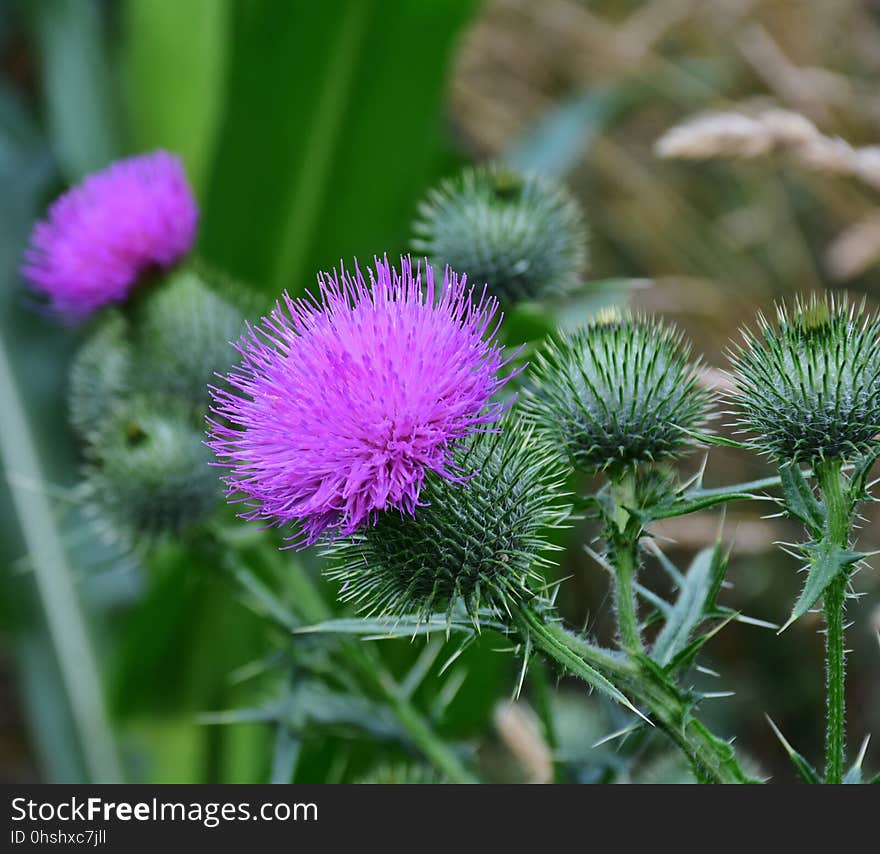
column 310, row 131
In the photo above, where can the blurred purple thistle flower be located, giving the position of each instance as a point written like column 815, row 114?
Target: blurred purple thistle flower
column 101, row 235
column 344, row 402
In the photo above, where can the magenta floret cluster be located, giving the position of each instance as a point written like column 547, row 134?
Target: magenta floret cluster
column 345, row 400
column 100, row 236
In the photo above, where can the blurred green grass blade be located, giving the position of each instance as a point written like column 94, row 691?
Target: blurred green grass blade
column 67, row 624
column 174, row 65
column 28, row 391
column 329, row 135
column 77, row 83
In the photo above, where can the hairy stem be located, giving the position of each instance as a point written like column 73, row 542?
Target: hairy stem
column 712, row 760
column 623, row 538
column 838, row 531
column 835, row 745
column 626, row 562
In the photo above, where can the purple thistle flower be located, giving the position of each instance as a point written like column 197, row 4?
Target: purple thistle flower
column 102, row 234
column 344, row 402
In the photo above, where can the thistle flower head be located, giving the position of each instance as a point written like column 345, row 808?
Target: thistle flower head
column 522, row 235
column 343, row 402
column 150, row 474
column 807, row 388
column 480, row 543
column 102, row 235
column 620, row 391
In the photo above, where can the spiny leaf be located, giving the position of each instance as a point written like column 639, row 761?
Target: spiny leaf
column 403, row 627
column 827, row 560
column 859, row 476
column 854, row 775
column 800, row 501
column 696, row 595
column 806, row 771
column 686, row 656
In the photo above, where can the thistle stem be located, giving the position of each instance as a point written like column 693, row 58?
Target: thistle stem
column 623, row 537
column 625, row 568
column 712, row 760
column 839, row 526
column 835, row 745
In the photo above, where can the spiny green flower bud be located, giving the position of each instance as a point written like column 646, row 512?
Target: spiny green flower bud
column 150, row 473
column 100, row 375
column 618, row 392
column 479, row 542
column 183, row 328
column 521, row 235
column 807, row 389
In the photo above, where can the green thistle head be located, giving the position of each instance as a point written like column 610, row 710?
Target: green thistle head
column 150, row 473
column 182, row 333
column 100, row 376
column 619, row 392
column 480, row 542
column 807, row 388
column 521, row 235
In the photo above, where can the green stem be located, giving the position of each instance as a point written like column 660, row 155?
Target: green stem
column 623, row 538
column 626, row 563
column 838, row 530
column 835, row 746
column 313, row 609
column 712, row 759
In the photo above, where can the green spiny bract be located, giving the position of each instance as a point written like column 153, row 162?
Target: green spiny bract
column 100, row 376
column 182, row 330
column 150, row 473
column 807, row 389
column 521, row 235
column 481, row 542
column 619, row 392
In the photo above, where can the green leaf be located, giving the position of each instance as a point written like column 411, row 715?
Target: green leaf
column 403, row 627
column 58, row 661
column 800, row 501
column 859, row 476
column 827, row 561
column 694, row 603
column 180, row 48
column 323, row 150
column 285, row 755
column 806, row 771
column 80, row 105
column 854, row 775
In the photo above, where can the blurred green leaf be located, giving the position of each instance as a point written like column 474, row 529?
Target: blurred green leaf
column 323, row 148
column 555, row 144
column 81, row 104
column 174, row 62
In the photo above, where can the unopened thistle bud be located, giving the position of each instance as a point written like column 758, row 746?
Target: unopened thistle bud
column 807, row 389
column 100, row 376
column 151, row 473
column 183, row 329
column 522, row 235
column 480, row 544
column 619, row 392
